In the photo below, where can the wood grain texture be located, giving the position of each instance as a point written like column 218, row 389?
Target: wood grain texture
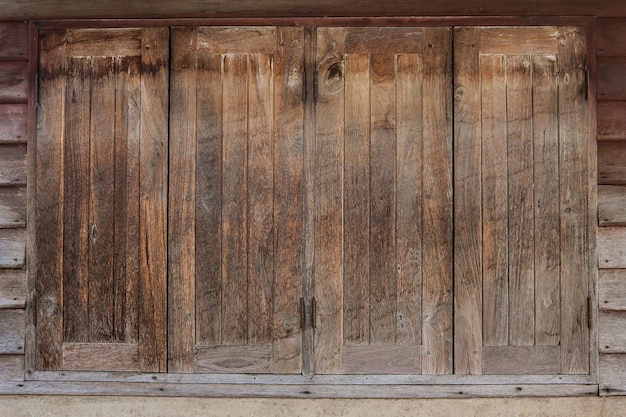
column 611, row 120
column 611, row 248
column 611, row 203
column 13, row 165
column 519, row 40
column 520, row 360
column 610, row 78
column 12, row 248
column 12, row 324
column 12, row 368
column 372, row 40
column 13, row 123
column 612, row 162
column 234, row 359
column 101, row 356
column 13, row 39
column 12, row 207
column 611, row 36
column 612, row 289
column 612, row 381
column 612, row 338
column 12, row 289
column 237, row 40
column 13, row 80
column 112, row 42
column 388, row 360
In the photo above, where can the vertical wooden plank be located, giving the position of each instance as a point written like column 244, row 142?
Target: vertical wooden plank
column 260, row 188
column 208, row 263
column 181, row 221
column 49, row 200
column 409, row 199
column 288, row 199
column 495, row 204
column 234, row 210
column 153, row 206
column 437, row 261
column 383, row 274
column 76, row 202
column 574, row 216
column 520, row 201
column 546, row 202
column 356, row 208
column 468, row 246
column 328, row 164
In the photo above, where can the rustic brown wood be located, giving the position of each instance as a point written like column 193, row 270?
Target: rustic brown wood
column 101, row 356
column 12, row 331
column 12, row 289
column 468, row 245
column 610, row 81
column 611, row 36
column 371, row 360
column 611, row 248
column 12, row 248
column 612, row 380
column 437, row 261
column 530, row 360
column 611, row 203
column 13, row 123
column 612, row 338
column 234, row 359
column 13, row 80
column 612, row 289
column 13, row 165
column 519, row 40
column 611, row 163
column 112, row 42
column 12, row 368
column 372, row 40
column 611, row 120
column 237, row 40
column 12, row 207
column 13, row 40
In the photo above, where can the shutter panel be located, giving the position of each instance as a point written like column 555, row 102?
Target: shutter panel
column 383, row 211
column 100, row 216
column 236, row 208
column 521, row 201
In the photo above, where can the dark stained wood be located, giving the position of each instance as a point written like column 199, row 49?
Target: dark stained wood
column 612, row 290
column 611, row 203
column 12, row 289
column 611, row 75
column 13, row 40
column 13, row 165
column 12, row 207
column 12, row 331
column 611, row 120
column 13, row 80
column 612, row 162
column 611, row 36
column 100, row 356
column 13, row 123
column 521, row 360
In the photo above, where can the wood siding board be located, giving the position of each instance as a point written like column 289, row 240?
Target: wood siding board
column 76, row 201
column 153, row 205
column 49, row 201
column 13, row 40
column 208, row 255
column 546, row 201
column 13, row 165
column 611, row 335
column 96, row 42
column 356, row 207
column 234, row 359
column 612, row 290
column 100, row 356
column 611, row 120
column 573, row 193
column 468, row 246
column 612, row 381
column 387, row 360
column 383, row 270
column 437, row 200
column 288, row 201
column 12, row 368
column 260, row 188
column 610, row 78
column 611, row 36
column 518, row 40
column 494, row 200
column 12, row 289
column 611, row 248
column 611, row 203
column 13, row 123
column 13, row 80
column 237, row 39
column 12, row 207
column 612, row 163
column 182, row 202
column 328, row 191
column 522, row 360
column 12, row 331
column 12, row 248
column 373, row 40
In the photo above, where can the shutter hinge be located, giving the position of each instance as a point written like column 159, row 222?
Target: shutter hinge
column 589, row 312
column 313, row 312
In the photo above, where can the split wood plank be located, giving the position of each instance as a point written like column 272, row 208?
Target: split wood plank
column 12, row 207
column 13, row 40
column 611, row 36
column 611, row 120
column 13, row 80
column 612, row 162
column 611, row 335
column 13, row 123
column 12, row 327
column 611, row 73
column 12, row 248
column 611, row 248
column 101, row 356
column 612, row 289
column 13, row 165
column 611, row 203
column 12, row 289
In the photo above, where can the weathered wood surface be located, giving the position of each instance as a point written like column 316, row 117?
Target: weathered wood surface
column 12, row 368
column 612, row 162
column 13, row 165
column 611, row 203
column 612, row 376
column 611, row 36
column 235, row 359
column 612, row 338
column 389, row 360
column 101, row 356
column 612, row 289
column 12, row 248
column 611, row 120
column 13, row 123
column 13, row 80
column 12, row 325
column 12, row 207
column 13, row 40
column 611, row 248
column 610, row 78
column 530, row 360
column 12, row 289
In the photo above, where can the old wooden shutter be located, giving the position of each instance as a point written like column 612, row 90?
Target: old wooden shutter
column 236, row 212
column 383, row 201
column 521, row 201
column 101, row 196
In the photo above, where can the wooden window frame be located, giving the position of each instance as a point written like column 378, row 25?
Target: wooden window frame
column 330, row 386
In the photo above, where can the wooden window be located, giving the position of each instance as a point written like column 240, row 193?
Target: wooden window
column 424, row 217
